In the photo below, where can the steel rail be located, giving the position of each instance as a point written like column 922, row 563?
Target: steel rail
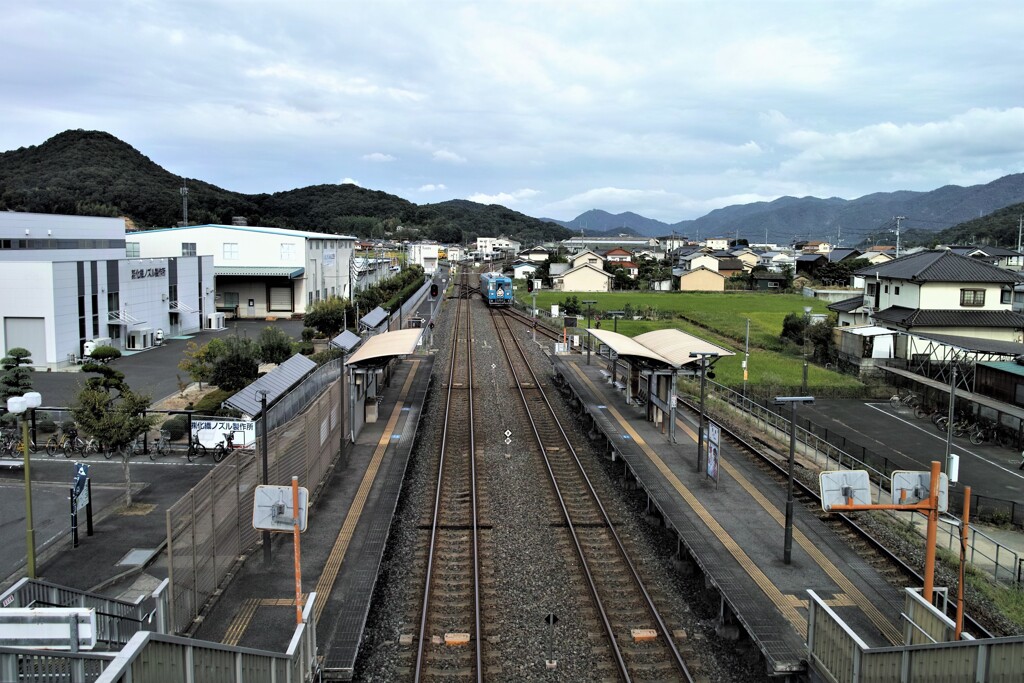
column 463, row 303
column 652, row 609
column 876, row 544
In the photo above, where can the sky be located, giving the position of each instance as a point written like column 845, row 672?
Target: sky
column 666, row 109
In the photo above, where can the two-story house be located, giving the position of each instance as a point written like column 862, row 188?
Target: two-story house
column 936, row 292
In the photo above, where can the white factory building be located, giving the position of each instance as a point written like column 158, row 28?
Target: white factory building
column 67, row 280
column 260, row 272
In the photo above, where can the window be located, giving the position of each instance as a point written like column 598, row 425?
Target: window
column 972, row 297
column 287, row 251
column 188, row 248
column 231, row 251
column 887, row 289
column 1006, row 296
column 131, row 249
column 772, row 284
column 896, row 290
column 172, row 292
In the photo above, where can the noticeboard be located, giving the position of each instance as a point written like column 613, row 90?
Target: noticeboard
column 272, row 508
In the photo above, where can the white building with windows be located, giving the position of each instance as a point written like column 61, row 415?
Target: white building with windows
column 260, row 271
column 67, row 280
column 425, row 254
column 487, row 245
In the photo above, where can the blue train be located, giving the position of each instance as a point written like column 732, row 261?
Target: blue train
column 496, row 289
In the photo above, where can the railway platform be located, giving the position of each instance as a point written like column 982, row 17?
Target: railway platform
column 343, row 546
column 734, row 530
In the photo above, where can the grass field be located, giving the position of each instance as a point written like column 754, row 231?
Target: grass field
column 720, row 318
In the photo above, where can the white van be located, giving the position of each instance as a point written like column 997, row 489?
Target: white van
column 91, row 345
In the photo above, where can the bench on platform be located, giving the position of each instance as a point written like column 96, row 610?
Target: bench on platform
column 620, row 386
column 607, row 375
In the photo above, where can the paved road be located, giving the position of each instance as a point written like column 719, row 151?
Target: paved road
column 154, row 371
column 912, row 444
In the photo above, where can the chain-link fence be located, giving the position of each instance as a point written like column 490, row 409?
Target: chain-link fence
column 208, row 529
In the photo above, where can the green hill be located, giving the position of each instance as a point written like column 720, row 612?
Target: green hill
column 94, row 173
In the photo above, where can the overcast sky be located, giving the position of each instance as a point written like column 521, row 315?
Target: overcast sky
column 667, row 109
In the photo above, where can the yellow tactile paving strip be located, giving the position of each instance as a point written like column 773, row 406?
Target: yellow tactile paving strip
column 850, row 596
column 781, row 601
column 328, row 576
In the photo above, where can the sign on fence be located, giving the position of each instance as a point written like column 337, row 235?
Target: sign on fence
column 210, row 431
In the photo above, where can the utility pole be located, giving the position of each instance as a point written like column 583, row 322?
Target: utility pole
column 898, row 219
column 1020, row 227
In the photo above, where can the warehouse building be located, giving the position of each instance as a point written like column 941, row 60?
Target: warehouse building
column 67, row 280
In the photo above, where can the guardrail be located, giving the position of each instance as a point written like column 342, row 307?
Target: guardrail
column 839, row 655
column 984, row 552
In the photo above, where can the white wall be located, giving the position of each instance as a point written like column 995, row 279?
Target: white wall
column 28, row 293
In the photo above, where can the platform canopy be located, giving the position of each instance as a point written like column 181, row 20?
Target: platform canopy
column 346, row 341
column 630, row 349
column 374, row 318
column 275, row 383
column 383, row 346
column 676, row 345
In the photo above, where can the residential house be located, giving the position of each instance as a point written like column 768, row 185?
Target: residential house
column 937, row 291
column 700, row 259
column 749, row 257
column 618, row 254
column 585, row 277
column 536, row 255
column 997, row 256
column 630, row 268
column 701, row 279
column 488, row 245
column 837, row 255
column 812, row 247
column 586, row 256
column 523, row 269
column 808, row 264
column 776, row 261
column 767, row 281
column 717, row 243
column 731, row 266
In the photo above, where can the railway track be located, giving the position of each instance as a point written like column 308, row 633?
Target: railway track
column 893, row 567
column 528, row 321
column 637, row 643
column 450, row 642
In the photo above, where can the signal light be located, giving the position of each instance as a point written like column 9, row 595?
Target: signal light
column 433, row 289
column 529, row 285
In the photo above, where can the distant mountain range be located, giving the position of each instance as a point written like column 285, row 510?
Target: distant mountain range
column 94, row 173
column 866, row 219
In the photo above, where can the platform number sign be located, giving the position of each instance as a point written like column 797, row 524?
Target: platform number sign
column 714, row 443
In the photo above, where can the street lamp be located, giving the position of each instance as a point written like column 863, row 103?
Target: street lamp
column 589, row 303
column 20, row 405
column 787, row 546
column 703, row 355
column 615, row 318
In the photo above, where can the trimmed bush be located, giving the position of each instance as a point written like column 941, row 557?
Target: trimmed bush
column 210, row 404
column 176, row 427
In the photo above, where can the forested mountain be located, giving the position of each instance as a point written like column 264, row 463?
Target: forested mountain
column 94, row 173
column 597, row 222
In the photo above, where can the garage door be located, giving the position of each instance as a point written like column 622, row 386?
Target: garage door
column 280, row 298
column 27, row 333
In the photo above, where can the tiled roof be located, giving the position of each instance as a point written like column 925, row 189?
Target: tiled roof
column 730, row 264
column 939, row 265
column 915, row 317
column 810, row 258
column 840, row 254
column 847, row 305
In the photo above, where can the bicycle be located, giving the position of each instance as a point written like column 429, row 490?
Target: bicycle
column 909, row 400
column 224, row 447
column 69, row 442
column 195, row 449
column 161, row 446
column 92, row 445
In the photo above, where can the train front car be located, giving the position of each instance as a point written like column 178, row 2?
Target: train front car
column 496, row 288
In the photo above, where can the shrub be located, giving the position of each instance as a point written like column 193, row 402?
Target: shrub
column 176, row 427
column 326, row 356
column 307, row 334
column 210, row 404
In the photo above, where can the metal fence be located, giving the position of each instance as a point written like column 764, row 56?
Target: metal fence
column 984, row 552
column 211, row 527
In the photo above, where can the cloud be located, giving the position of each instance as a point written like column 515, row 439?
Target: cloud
column 504, row 198
column 350, row 181
column 448, row 156
column 378, row 156
column 432, row 187
column 975, row 134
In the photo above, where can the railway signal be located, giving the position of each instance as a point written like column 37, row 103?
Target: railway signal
column 529, row 286
column 433, row 290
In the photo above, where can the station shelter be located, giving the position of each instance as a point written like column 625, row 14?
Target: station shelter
column 646, row 367
column 369, row 371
